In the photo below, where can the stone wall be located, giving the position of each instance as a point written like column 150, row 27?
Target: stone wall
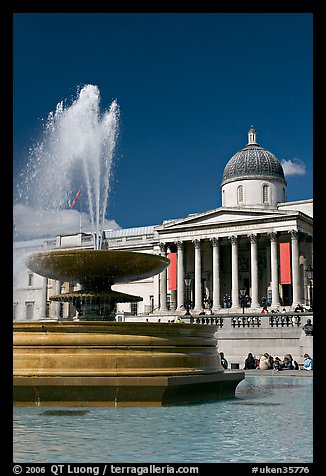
column 236, row 342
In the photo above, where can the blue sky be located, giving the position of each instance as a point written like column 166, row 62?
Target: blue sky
column 189, row 86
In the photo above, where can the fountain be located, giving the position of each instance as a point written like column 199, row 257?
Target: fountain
column 95, row 360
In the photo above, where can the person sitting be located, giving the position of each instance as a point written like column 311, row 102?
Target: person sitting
column 308, row 362
column 224, row 362
column 264, row 362
column 277, row 364
column 294, row 363
column 250, row 362
column 287, row 364
column 270, row 361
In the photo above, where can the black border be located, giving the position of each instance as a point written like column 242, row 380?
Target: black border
column 226, row 6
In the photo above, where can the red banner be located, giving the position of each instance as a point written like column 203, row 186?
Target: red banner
column 285, row 263
column 172, row 271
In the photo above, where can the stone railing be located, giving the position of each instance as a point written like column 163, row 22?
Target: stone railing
column 253, row 320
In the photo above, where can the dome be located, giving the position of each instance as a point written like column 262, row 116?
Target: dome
column 253, row 162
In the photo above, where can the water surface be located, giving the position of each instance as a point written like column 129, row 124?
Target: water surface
column 269, row 421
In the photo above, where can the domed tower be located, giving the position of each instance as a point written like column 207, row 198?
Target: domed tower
column 253, row 177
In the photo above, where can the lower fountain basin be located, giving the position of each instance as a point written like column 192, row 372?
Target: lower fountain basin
column 114, row 363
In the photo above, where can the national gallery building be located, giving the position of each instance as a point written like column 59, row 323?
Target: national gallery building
column 256, row 247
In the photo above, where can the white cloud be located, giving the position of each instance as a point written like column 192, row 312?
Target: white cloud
column 33, row 223
column 293, row 167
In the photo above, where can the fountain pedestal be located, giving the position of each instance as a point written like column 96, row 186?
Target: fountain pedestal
column 118, row 364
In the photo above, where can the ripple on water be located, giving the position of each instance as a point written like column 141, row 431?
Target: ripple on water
column 223, row 431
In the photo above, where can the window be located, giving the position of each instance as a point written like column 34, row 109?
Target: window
column 240, row 193
column 168, row 301
column 134, row 308
column 14, row 314
column 265, row 193
column 29, row 310
column 284, row 195
column 30, row 279
column 151, row 300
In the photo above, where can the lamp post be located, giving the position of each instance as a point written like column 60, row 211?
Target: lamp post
column 242, row 292
column 187, row 280
column 310, row 276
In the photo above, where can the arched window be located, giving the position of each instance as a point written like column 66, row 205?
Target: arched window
column 240, row 194
column 265, row 193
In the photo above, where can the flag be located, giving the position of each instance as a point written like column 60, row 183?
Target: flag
column 75, row 199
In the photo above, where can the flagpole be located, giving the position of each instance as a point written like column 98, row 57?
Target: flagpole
column 80, row 217
column 73, row 203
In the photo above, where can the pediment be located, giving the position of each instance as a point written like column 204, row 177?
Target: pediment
column 220, row 216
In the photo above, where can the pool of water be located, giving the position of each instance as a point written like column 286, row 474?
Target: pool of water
column 268, row 421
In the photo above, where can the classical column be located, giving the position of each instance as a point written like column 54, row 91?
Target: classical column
column 216, row 275
column 305, row 280
column 44, row 298
column 163, row 282
column 274, row 270
column 180, row 277
column 198, row 293
column 57, row 303
column 254, row 270
column 235, row 276
column 295, row 267
column 156, row 285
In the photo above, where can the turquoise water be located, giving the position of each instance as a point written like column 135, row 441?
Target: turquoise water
column 269, row 421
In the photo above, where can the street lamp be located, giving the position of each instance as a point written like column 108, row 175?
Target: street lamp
column 310, row 276
column 187, row 280
column 242, row 292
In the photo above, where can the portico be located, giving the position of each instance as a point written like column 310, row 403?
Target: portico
column 222, row 255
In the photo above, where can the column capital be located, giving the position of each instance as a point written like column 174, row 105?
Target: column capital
column 253, row 237
column 196, row 243
column 180, row 244
column 234, row 239
column 294, row 234
column 215, row 241
column 163, row 247
column 273, row 236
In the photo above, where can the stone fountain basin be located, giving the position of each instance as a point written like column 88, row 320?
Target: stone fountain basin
column 118, row 364
column 114, row 348
column 96, row 267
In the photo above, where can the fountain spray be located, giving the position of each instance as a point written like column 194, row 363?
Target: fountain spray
column 75, row 152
